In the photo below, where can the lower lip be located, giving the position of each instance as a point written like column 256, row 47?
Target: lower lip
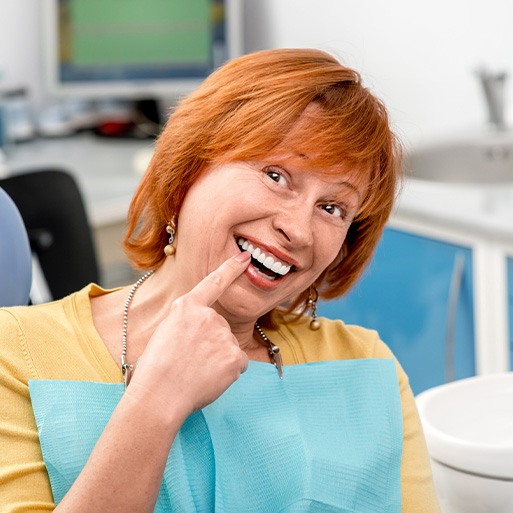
column 260, row 281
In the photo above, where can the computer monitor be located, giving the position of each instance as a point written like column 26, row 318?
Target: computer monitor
column 136, row 49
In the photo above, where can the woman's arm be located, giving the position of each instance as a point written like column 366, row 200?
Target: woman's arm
column 418, row 492
column 191, row 359
column 133, row 448
column 124, row 471
column 417, row 482
column 24, row 483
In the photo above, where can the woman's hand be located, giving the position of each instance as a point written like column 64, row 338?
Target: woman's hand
column 192, row 357
column 190, row 360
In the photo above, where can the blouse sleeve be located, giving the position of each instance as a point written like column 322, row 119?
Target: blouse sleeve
column 24, row 482
column 418, row 492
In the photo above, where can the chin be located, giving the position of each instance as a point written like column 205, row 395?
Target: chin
column 242, row 309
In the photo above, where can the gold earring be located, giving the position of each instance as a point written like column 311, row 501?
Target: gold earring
column 312, row 304
column 169, row 249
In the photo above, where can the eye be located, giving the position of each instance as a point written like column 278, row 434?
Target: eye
column 276, row 174
column 334, row 210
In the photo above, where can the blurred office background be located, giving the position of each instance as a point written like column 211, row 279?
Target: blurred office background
column 420, row 57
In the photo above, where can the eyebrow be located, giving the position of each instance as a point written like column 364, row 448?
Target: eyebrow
column 351, row 186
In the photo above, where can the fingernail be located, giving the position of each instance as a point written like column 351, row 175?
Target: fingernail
column 243, row 257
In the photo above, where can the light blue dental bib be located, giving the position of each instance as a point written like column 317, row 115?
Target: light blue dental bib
column 327, row 438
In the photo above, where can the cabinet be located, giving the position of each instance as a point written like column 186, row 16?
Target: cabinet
column 510, row 309
column 418, row 294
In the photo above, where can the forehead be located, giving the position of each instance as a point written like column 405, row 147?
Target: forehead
column 308, row 147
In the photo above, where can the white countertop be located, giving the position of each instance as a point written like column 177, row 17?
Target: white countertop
column 107, row 170
column 482, row 210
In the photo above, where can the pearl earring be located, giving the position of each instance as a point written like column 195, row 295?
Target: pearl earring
column 169, row 249
column 312, row 304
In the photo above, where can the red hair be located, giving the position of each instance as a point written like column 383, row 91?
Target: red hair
column 245, row 109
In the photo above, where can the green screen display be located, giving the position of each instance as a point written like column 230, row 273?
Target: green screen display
column 134, row 39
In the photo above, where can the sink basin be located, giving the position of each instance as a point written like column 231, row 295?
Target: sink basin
column 486, row 159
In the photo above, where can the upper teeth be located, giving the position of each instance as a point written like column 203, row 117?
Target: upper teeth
column 266, row 260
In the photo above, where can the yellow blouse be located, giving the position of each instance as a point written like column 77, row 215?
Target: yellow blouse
column 59, row 341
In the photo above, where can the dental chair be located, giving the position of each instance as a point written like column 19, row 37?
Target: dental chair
column 53, row 211
column 15, row 255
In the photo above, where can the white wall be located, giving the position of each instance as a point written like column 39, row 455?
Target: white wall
column 419, row 57
column 20, row 57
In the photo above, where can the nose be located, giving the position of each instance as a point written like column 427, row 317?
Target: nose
column 294, row 223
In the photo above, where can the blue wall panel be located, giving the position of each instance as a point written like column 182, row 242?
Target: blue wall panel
column 404, row 295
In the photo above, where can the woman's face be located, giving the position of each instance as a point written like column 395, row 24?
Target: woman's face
column 292, row 216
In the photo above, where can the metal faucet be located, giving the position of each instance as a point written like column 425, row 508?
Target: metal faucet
column 493, row 88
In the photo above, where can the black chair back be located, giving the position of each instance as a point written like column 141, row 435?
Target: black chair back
column 53, row 211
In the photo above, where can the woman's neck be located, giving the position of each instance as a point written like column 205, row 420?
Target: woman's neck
column 167, row 285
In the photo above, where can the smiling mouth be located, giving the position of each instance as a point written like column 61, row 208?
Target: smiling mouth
column 266, row 265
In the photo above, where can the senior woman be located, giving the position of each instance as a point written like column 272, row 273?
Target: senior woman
column 206, row 385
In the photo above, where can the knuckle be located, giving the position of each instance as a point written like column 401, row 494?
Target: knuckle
column 215, row 278
column 181, row 302
column 210, row 315
column 185, row 303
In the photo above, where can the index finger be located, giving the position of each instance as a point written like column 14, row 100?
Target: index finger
column 210, row 288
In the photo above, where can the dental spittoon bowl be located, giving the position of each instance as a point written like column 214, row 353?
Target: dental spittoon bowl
column 468, row 426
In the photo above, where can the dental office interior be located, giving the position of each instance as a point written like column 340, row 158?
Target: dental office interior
column 440, row 287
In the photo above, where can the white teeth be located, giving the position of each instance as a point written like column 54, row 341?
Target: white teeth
column 284, row 269
column 268, row 262
column 276, row 268
column 259, row 255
